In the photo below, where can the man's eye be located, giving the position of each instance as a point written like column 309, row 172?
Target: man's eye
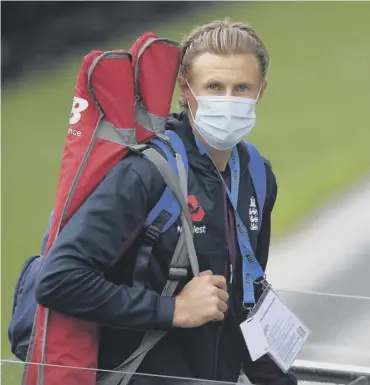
column 213, row 87
column 243, row 88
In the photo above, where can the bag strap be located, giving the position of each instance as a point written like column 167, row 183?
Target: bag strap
column 180, row 192
column 258, row 174
column 166, row 211
column 167, row 202
column 184, row 253
column 46, row 234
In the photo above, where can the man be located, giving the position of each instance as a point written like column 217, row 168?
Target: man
column 92, row 270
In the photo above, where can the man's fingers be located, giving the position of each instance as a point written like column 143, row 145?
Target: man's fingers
column 219, row 317
column 222, row 306
column 204, row 273
column 222, row 295
column 219, row 281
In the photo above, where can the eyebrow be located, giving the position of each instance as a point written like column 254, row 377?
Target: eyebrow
column 212, row 80
column 239, row 83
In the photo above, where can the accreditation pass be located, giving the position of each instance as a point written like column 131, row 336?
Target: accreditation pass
column 280, row 333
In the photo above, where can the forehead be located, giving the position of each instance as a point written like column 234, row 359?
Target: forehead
column 243, row 67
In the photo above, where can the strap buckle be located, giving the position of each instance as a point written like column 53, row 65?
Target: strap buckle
column 152, row 234
column 166, row 140
column 176, row 273
column 138, row 148
column 162, row 136
column 262, row 281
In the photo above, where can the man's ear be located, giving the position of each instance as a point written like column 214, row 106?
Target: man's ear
column 183, row 87
column 263, row 88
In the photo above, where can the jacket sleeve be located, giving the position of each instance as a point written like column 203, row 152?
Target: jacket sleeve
column 72, row 281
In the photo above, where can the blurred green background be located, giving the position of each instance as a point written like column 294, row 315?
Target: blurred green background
column 313, row 124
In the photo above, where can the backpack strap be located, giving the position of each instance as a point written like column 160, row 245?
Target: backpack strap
column 258, row 174
column 184, row 252
column 46, row 235
column 167, row 201
column 165, row 212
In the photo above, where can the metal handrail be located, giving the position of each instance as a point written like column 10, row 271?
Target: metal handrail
column 324, row 371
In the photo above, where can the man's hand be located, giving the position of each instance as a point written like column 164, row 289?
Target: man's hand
column 202, row 300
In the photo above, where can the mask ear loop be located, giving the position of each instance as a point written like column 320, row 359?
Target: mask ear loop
column 259, row 92
column 192, row 90
column 190, row 110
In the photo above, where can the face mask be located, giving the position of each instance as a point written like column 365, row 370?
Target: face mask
column 223, row 121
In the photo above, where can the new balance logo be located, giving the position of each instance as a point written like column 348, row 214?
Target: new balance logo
column 79, row 105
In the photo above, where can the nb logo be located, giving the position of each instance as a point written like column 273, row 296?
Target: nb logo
column 78, row 106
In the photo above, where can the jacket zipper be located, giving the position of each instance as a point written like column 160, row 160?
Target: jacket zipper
column 228, row 273
column 219, row 331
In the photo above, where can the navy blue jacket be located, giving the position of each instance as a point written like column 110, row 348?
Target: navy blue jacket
column 94, row 270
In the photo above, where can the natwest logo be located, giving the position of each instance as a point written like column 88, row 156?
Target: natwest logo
column 196, row 210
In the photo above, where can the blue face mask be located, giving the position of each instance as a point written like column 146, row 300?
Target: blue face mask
column 223, row 121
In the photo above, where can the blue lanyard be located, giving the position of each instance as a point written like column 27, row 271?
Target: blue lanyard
column 252, row 270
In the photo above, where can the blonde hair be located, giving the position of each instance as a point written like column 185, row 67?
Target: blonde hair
column 221, row 37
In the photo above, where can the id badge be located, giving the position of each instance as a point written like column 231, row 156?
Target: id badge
column 284, row 333
column 255, row 338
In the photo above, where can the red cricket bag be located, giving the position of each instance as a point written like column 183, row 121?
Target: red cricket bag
column 121, row 98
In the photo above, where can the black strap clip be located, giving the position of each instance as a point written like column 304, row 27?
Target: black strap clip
column 152, row 234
